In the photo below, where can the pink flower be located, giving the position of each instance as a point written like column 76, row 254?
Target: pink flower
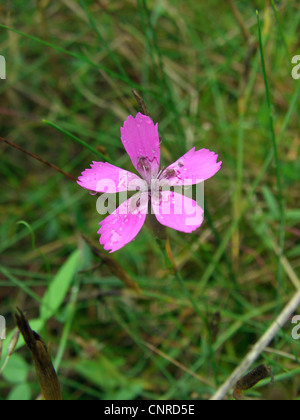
column 140, row 138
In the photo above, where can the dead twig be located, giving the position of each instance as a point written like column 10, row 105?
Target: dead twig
column 114, row 266
column 259, row 347
column 44, row 368
column 240, row 21
column 38, row 158
column 251, row 379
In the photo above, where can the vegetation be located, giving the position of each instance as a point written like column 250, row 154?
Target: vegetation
column 127, row 325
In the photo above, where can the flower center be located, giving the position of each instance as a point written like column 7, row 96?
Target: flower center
column 148, row 168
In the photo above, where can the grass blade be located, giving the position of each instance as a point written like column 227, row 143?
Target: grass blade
column 59, row 287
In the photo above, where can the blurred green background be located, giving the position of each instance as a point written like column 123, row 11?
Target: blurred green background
column 198, row 67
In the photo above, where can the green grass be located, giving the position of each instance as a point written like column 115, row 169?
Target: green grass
column 71, row 67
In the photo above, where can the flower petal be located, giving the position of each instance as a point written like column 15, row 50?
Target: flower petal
column 123, row 225
column 177, row 211
column 194, row 167
column 104, row 177
column 140, row 138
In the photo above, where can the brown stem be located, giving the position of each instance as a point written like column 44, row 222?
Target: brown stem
column 141, row 103
column 45, row 371
column 38, row 158
column 239, row 18
column 252, row 46
column 114, row 266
